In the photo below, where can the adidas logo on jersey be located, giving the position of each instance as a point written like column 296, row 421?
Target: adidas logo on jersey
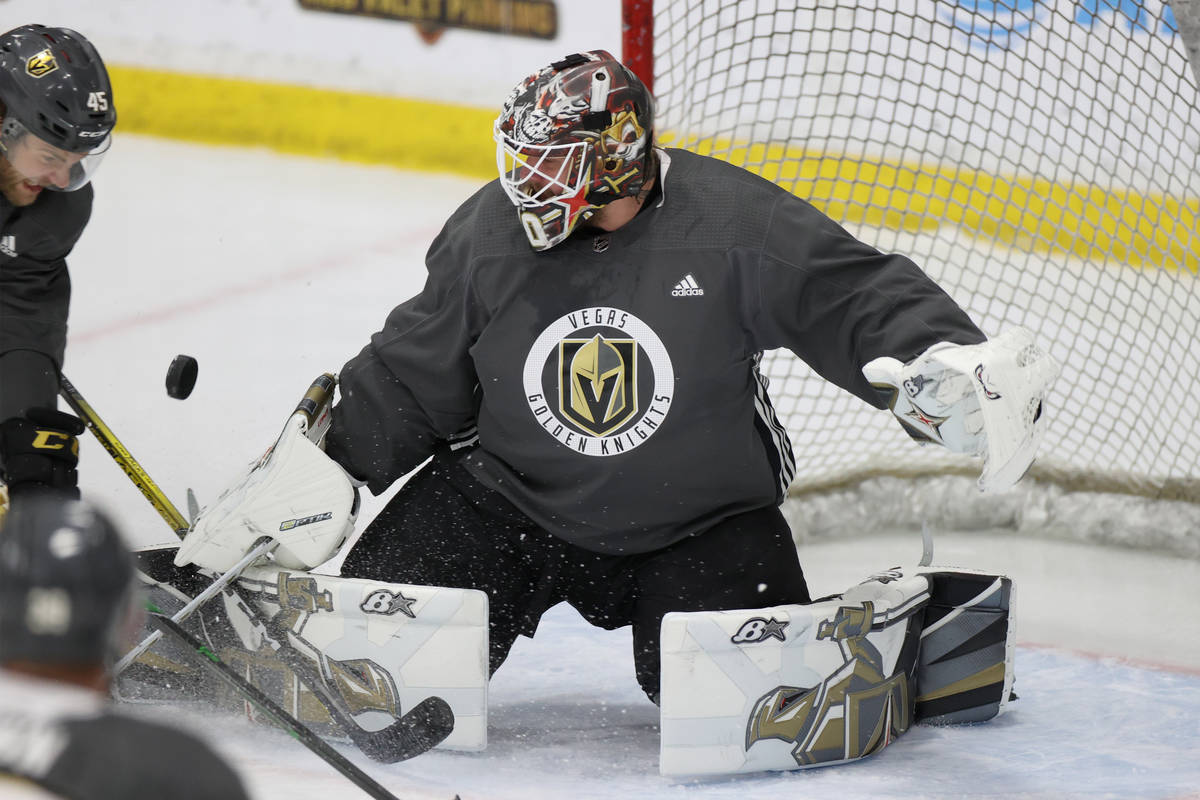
column 687, row 287
column 8, row 246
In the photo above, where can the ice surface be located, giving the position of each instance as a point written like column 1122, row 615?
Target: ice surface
column 271, row 270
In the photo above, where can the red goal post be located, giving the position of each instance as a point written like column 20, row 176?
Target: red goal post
column 1040, row 159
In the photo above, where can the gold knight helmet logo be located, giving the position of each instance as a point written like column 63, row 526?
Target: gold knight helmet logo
column 41, row 63
column 599, row 379
column 854, row 712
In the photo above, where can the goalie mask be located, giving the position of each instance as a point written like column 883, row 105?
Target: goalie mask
column 58, row 107
column 570, row 139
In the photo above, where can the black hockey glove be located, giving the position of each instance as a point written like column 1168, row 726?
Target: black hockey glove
column 40, row 451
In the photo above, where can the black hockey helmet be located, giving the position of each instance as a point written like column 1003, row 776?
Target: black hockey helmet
column 54, row 85
column 67, row 591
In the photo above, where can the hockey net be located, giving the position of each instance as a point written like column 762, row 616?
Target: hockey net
column 1040, row 161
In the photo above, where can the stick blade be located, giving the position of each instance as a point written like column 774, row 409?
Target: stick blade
column 425, row 726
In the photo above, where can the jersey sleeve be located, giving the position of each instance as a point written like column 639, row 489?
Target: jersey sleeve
column 35, row 288
column 838, row 303
column 414, row 384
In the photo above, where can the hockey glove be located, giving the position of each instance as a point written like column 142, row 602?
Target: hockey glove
column 40, row 451
column 983, row 400
column 293, row 493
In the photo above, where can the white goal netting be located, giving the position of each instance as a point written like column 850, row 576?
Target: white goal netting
column 1041, row 160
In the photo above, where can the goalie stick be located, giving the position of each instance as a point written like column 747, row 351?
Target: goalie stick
column 210, row 661
column 420, row 729
column 260, row 548
column 415, row 732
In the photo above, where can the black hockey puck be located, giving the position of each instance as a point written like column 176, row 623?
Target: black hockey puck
column 181, row 376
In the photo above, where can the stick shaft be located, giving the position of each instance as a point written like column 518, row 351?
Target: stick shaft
column 123, row 457
column 261, row 547
column 277, row 715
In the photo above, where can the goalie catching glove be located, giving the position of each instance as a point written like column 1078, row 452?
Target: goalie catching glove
column 982, row 400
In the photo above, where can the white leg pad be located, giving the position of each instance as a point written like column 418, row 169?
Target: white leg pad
column 791, row 686
column 386, row 646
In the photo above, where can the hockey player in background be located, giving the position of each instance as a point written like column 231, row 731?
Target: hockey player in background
column 68, row 606
column 585, row 374
column 56, row 118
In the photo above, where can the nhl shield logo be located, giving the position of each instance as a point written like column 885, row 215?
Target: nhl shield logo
column 599, row 381
column 41, row 63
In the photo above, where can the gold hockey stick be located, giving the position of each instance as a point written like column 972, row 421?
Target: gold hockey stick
column 123, row 457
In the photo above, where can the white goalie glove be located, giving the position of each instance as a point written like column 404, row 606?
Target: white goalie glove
column 983, row 400
column 294, row 493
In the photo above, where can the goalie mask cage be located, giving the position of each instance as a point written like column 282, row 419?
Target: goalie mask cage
column 1040, row 161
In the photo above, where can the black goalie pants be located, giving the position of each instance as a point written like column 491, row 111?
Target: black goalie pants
column 444, row 529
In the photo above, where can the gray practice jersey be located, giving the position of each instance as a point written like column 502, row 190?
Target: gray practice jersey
column 612, row 382
column 67, row 741
column 35, row 294
column 35, row 289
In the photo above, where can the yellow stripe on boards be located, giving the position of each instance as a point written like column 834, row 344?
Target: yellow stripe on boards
column 375, row 129
column 1025, row 213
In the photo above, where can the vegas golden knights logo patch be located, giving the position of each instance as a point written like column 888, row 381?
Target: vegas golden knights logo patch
column 599, row 380
column 40, row 64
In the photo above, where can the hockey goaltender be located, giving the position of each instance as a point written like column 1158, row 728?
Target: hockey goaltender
column 575, row 404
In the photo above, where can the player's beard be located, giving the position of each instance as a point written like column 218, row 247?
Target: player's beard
column 16, row 187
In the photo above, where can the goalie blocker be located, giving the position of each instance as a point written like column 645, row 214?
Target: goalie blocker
column 811, row 685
